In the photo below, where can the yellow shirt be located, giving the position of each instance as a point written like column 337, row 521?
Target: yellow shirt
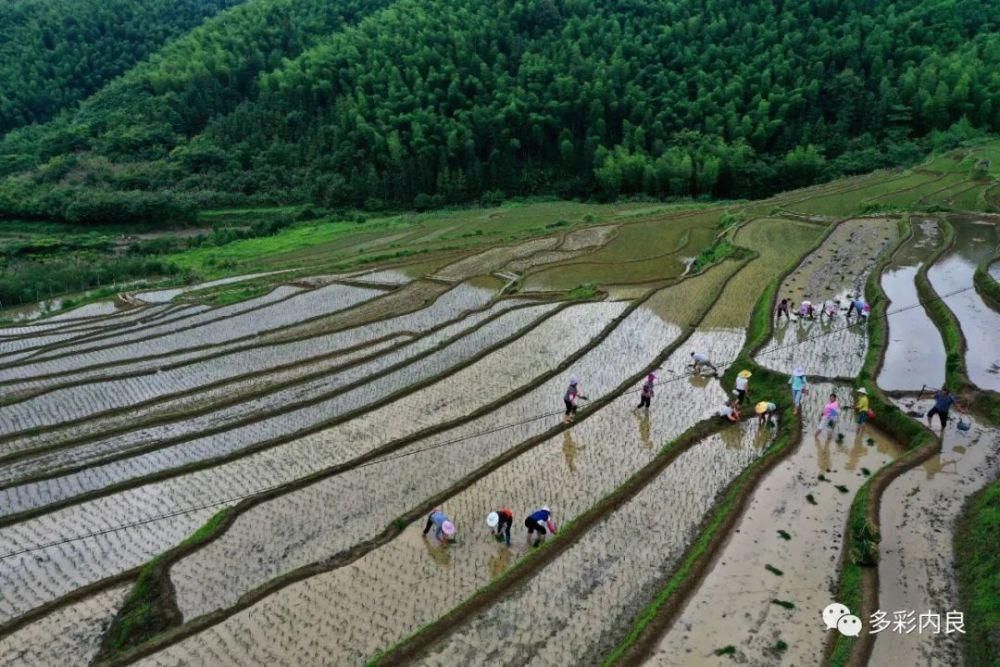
column 862, row 405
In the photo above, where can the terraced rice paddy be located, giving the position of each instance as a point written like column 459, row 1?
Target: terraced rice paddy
column 733, row 605
column 333, row 413
column 975, row 242
column 918, row 514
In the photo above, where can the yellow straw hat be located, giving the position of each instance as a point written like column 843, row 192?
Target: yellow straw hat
column 760, row 408
column 744, row 374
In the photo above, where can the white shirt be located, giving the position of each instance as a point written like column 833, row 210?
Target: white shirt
column 741, row 384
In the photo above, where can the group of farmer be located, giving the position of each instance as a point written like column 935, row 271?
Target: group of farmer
column 500, row 522
column 830, row 308
column 540, row 522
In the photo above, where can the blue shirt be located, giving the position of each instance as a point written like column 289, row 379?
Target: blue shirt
column 438, row 518
column 798, row 382
column 540, row 515
column 943, row 401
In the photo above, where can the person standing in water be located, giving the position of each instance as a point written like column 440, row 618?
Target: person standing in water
column 943, row 400
column 799, row 384
column 647, row 392
column 861, row 408
column 537, row 522
column 831, row 411
column 570, row 398
column 500, row 523
column 783, row 310
column 443, row 527
column 699, row 359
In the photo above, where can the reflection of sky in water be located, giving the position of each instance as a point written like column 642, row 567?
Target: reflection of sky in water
column 914, row 354
column 973, row 244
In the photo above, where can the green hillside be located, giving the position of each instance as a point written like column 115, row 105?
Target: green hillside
column 54, row 53
column 425, row 102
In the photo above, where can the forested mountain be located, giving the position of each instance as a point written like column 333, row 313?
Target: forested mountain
column 53, row 53
column 352, row 103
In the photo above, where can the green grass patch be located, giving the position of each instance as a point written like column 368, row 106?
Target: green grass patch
column 583, row 292
column 978, row 567
column 226, row 297
column 145, row 613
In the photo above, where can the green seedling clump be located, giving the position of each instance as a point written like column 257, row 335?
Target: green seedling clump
column 725, row 650
column 785, row 535
column 811, row 499
column 784, row 603
column 841, row 488
column 779, row 646
column 773, row 570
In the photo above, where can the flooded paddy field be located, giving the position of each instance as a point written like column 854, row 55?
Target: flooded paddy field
column 914, row 354
column 951, row 277
column 829, row 346
column 449, row 398
column 577, row 606
column 734, row 605
column 918, row 514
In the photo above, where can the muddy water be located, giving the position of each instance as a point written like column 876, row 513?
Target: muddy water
column 914, row 353
column 574, row 610
column 975, row 242
column 77, row 563
column 732, row 606
column 829, row 347
column 68, row 636
column 917, row 567
column 570, row 472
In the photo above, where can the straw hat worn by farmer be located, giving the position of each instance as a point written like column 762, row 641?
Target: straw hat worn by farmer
column 765, row 410
column 743, row 385
column 861, row 408
column 500, row 523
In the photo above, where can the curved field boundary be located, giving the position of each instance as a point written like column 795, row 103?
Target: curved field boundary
column 174, row 635
column 987, row 287
column 235, row 312
column 312, row 428
column 94, row 323
column 174, row 415
column 244, row 313
column 258, row 416
column 413, row 303
column 922, row 184
column 857, row 586
column 656, row 619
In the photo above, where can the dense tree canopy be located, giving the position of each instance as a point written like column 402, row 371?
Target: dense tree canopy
column 367, row 104
column 53, row 53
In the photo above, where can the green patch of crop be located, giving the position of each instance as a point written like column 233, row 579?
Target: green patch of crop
column 145, row 613
column 784, row 603
column 226, row 297
column 841, row 488
column 784, row 534
column 811, row 499
column 725, row 650
column 773, row 570
column 778, row 646
column 978, row 566
column 583, row 292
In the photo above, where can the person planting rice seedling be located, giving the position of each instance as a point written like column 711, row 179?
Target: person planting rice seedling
column 646, row 394
column 743, row 386
column 799, row 385
column 444, row 529
column 857, row 304
column 570, row 399
column 861, row 409
column 699, row 360
column 783, row 310
column 830, row 308
column 730, row 412
column 806, row 310
column 500, row 523
column 765, row 411
column 540, row 521
column 831, row 411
